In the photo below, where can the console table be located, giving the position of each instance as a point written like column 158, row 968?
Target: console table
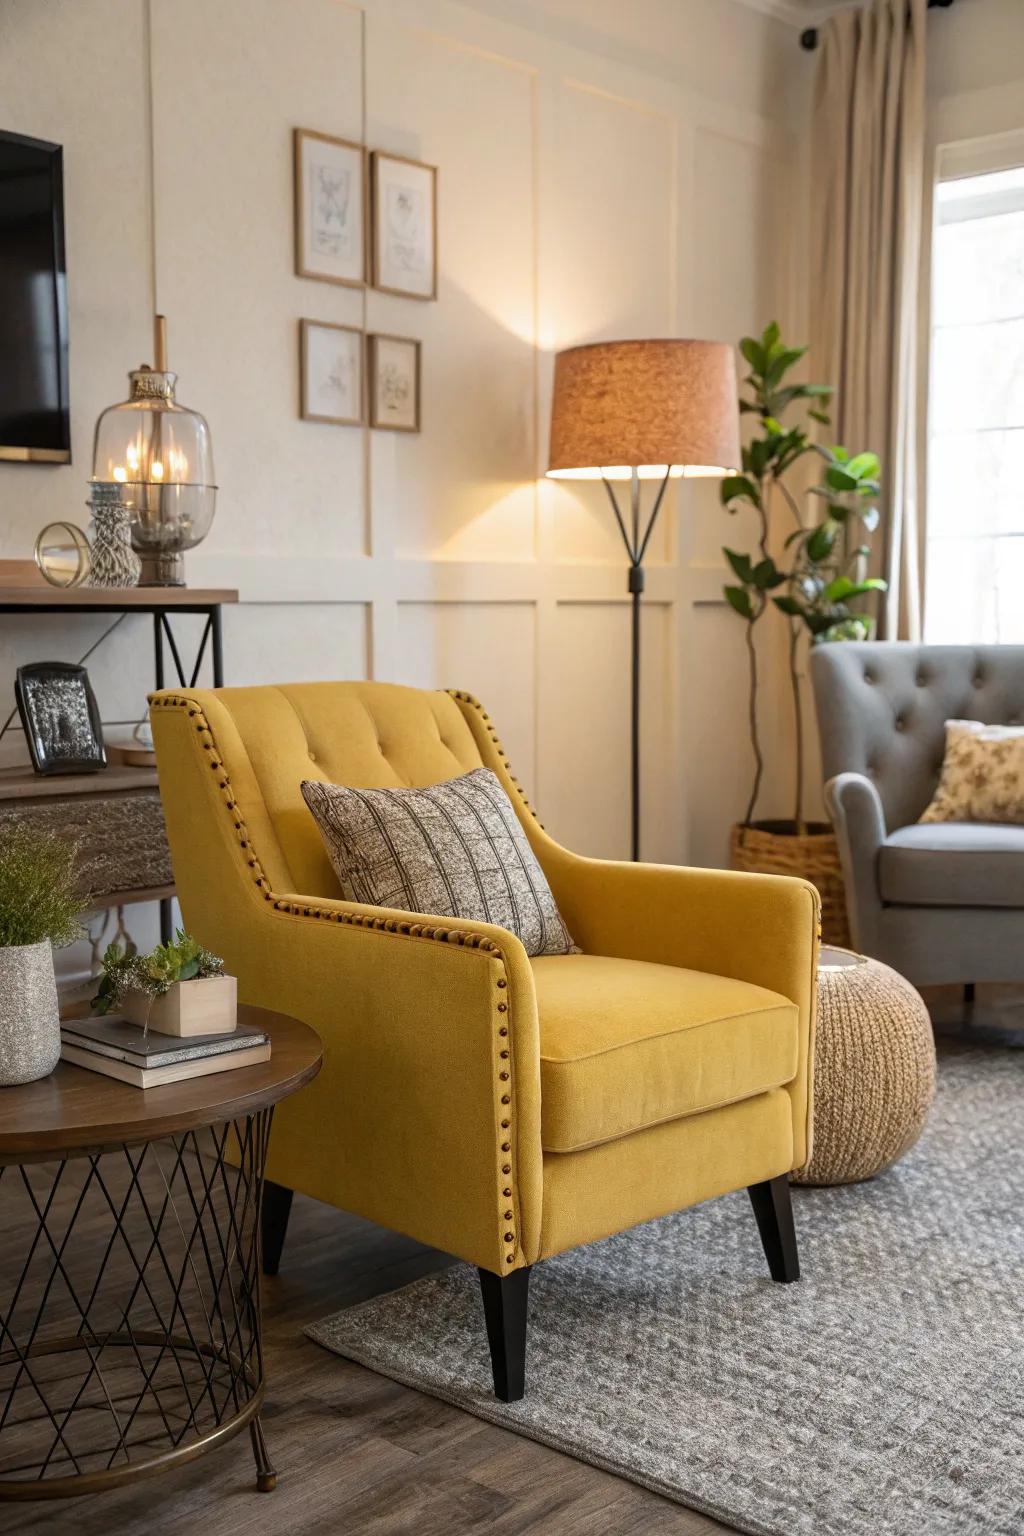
column 130, row 1330
column 115, row 813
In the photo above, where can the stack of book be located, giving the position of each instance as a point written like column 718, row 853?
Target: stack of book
column 146, row 1058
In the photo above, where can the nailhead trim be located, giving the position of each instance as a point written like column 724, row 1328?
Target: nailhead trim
column 467, row 698
column 414, row 930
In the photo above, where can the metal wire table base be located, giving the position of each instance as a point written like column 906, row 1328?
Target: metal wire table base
column 130, row 1310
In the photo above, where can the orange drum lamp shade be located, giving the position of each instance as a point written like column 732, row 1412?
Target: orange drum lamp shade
column 653, row 406
column 643, row 410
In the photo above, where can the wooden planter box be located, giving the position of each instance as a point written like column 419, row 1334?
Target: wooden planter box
column 207, row 1007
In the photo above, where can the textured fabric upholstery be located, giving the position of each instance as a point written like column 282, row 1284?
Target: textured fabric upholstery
column 881, row 711
column 625, row 1045
column 427, row 1114
column 954, row 863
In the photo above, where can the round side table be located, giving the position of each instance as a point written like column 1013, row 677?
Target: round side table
column 130, row 1335
column 874, row 1069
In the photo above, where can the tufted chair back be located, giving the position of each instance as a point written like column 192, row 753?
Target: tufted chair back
column 371, row 735
column 882, row 708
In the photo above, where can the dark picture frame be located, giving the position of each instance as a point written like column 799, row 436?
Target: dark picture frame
column 30, row 156
column 60, row 718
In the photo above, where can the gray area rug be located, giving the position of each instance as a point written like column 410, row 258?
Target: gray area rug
column 881, row 1396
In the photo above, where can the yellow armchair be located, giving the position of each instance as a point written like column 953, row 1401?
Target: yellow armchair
column 498, row 1108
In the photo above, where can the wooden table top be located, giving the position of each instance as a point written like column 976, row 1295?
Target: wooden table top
column 75, row 1110
column 45, row 596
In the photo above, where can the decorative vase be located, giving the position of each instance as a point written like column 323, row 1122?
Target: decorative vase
column 113, row 561
column 29, row 1019
column 207, row 1005
column 775, row 848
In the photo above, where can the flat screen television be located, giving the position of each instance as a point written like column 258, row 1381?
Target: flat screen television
column 35, row 424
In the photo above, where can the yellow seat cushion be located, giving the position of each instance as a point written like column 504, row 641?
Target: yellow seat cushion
column 626, row 1044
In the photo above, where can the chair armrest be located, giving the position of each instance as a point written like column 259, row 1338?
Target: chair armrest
column 757, row 928
column 427, row 1109
column 857, row 815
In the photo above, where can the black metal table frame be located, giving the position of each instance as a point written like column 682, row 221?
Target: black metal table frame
column 212, row 635
column 200, row 1273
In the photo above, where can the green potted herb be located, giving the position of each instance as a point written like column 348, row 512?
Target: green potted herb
column 178, row 989
column 808, row 575
column 39, row 907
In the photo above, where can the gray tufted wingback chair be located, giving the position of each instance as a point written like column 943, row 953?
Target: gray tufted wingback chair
column 942, row 902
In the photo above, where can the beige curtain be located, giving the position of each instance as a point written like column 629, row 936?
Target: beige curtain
column 867, row 218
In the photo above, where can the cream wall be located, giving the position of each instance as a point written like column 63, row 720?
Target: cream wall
column 605, row 170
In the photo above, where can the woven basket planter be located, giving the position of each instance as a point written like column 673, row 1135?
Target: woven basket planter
column 766, row 848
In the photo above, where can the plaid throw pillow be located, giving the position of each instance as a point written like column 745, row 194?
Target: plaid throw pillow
column 451, row 850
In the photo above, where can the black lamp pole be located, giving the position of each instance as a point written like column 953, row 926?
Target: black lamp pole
column 636, row 547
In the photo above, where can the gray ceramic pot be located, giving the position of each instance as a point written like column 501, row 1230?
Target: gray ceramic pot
column 29, row 1021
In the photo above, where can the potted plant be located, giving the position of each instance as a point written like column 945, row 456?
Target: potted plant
column 178, row 989
column 811, row 579
column 39, row 907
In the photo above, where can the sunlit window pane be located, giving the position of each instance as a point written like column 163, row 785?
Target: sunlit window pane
column 975, row 553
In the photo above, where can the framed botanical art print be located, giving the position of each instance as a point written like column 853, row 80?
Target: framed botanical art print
column 330, row 209
column 331, row 373
column 394, row 383
column 404, row 243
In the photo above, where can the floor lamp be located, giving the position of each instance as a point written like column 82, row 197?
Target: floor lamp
column 635, row 411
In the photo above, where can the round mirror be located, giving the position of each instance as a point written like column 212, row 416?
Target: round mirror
column 62, row 554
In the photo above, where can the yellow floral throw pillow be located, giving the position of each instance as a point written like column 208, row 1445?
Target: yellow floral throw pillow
column 982, row 775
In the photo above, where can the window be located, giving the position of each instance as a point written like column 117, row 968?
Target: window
column 975, row 530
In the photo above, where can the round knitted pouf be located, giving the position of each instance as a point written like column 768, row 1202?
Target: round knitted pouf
column 874, row 1069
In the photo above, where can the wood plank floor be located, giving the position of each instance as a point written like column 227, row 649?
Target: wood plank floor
column 354, row 1451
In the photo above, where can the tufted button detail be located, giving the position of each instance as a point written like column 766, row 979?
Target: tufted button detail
column 312, row 756
column 979, row 681
column 921, row 679
column 901, row 723
column 869, row 677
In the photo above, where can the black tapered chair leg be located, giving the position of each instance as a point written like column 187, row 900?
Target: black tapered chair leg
column 774, row 1212
column 277, row 1204
column 505, row 1305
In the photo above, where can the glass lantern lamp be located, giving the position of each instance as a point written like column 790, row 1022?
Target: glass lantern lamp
column 160, row 455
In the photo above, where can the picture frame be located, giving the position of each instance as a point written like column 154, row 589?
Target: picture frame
column 332, row 373
column 330, row 208
column 60, row 718
column 403, row 226
column 394, row 382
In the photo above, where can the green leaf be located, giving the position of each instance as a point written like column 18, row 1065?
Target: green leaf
column 781, row 363
column 771, row 335
column 857, row 627
column 865, row 466
column 739, row 599
column 821, row 541
column 739, row 488
column 788, row 605
column 839, row 588
column 839, row 479
column 766, row 574
column 189, row 969
column 773, row 426
column 826, row 421
column 753, row 352
column 741, row 565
